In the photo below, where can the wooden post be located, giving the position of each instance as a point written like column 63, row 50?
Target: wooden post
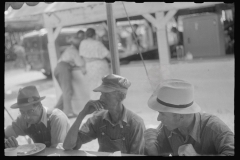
column 163, row 48
column 53, row 53
column 53, row 59
column 112, row 39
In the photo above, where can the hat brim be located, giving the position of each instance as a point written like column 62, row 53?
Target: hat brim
column 16, row 105
column 153, row 104
column 103, row 88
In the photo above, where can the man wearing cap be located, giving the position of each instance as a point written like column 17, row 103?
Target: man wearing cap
column 184, row 130
column 115, row 127
column 39, row 123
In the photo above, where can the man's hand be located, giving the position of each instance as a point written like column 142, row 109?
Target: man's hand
column 187, row 150
column 150, row 136
column 10, row 142
column 92, row 106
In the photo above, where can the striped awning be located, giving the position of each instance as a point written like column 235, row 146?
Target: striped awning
column 18, row 5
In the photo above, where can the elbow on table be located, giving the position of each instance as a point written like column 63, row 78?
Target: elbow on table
column 67, row 146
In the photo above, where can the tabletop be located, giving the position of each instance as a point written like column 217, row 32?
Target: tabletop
column 61, row 152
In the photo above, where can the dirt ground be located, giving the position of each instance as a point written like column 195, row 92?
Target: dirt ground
column 212, row 78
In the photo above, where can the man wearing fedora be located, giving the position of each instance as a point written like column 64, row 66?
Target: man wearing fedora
column 184, row 130
column 39, row 123
column 115, row 127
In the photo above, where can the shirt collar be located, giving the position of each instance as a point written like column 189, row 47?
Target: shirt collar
column 195, row 130
column 124, row 116
column 43, row 118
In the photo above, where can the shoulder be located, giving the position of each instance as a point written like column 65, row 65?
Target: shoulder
column 85, row 42
column 213, row 123
column 133, row 118
column 58, row 115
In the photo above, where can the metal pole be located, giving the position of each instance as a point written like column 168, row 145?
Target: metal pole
column 112, row 39
column 9, row 113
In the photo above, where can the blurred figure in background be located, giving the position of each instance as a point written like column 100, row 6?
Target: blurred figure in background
column 81, row 92
column 21, row 60
column 69, row 61
column 80, row 35
column 95, row 55
column 136, row 37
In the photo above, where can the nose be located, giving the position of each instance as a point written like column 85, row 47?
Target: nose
column 103, row 95
column 159, row 118
column 26, row 116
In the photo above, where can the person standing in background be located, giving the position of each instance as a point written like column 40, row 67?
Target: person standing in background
column 81, row 93
column 21, row 60
column 95, row 55
column 69, row 61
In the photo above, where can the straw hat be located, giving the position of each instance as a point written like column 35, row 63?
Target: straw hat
column 174, row 96
column 27, row 96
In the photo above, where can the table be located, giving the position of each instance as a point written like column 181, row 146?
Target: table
column 61, row 152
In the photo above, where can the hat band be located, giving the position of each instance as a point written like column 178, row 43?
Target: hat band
column 173, row 105
column 27, row 100
column 113, row 85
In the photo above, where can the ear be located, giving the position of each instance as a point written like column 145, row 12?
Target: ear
column 181, row 117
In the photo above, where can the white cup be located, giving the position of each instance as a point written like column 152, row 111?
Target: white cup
column 10, row 151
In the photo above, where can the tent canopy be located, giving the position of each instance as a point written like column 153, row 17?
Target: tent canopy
column 75, row 13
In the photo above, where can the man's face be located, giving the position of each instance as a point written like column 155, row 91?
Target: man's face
column 76, row 41
column 31, row 114
column 110, row 98
column 170, row 120
column 81, row 36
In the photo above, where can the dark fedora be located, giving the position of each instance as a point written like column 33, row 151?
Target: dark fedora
column 27, row 96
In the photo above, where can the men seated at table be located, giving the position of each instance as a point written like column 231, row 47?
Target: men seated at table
column 183, row 129
column 115, row 127
column 38, row 122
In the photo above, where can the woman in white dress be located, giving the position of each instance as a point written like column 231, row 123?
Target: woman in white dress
column 95, row 55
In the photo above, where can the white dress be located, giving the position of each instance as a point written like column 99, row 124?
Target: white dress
column 94, row 53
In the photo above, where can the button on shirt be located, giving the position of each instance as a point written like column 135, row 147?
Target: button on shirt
column 126, row 135
column 59, row 126
column 208, row 136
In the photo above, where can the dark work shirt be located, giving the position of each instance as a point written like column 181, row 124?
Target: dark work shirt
column 208, row 136
column 125, row 136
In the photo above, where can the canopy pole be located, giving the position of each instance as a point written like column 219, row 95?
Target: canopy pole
column 52, row 52
column 112, row 39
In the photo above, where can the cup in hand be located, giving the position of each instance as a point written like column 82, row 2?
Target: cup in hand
column 10, row 151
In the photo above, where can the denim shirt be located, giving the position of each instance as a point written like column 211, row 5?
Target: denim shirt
column 125, row 136
column 208, row 136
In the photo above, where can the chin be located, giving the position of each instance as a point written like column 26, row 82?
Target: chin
column 170, row 128
column 30, row 122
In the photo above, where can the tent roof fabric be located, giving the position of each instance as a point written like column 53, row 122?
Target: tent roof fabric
column 18, row 5
column 25, row 12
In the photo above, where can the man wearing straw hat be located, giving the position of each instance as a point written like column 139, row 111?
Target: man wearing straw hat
column 39, row 123
column 184, row 130
column 115, row 127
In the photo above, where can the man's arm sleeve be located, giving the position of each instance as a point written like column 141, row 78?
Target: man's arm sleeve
column 16, row 129
column 87, row 132
column 137, row 139
column 224, row 143
column 59, row 128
